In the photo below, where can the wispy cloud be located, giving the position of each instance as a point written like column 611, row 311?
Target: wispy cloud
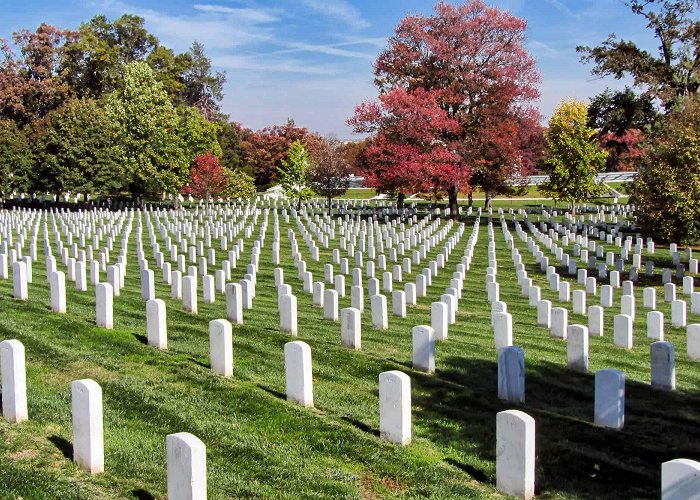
column 332, row 49
column 340, row 10
column 246, row 15
column 541, row 49
column 216, row 27
column 557, row 4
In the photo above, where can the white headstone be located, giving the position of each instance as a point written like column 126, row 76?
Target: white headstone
column 186, row 467
column 515, row 453
column 298, row 375
column 14, row 381
column 88, row 441
column 221, row 347
column 395, row 407
column 156, row 326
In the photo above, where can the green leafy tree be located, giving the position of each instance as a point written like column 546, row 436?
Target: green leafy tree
column 675, row 71
column 198, row 134
column 573, row 155
column 203, row 88
column 233, row 155
column 93, row 63
column 75, row 151
column 145, row 125
column 240, row 185
column 15, row 158
column 622, row 110
column 667, row 189
column 292, row 173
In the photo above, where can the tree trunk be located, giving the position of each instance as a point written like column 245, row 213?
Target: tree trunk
column 470, row 197
column 487, row 200
column 330, row 206
column 298, row 203
column 452, row 199
column 399, row 201
column 136, row 194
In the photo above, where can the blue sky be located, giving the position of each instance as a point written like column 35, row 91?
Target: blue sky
column 311, row 60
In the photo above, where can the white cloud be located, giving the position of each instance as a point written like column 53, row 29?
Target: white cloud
column 328, row 49
column 214, row 26
column 245, row 15
column 339, row 10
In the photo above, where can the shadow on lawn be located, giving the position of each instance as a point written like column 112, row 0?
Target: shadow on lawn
column 64, row 446
column 573, row 455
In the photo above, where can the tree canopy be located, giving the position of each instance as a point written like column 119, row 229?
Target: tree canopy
column 466, row 66
column 672, row 73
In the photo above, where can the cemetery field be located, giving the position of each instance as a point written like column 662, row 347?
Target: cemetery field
column 259, row 445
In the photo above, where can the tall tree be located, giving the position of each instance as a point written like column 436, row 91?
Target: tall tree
column 15, row 159
column 407, row 153
column 470, row 60
column 233, row 155
column 622, row 118
column 145, row 124
column 292, row 173
column 667, row 188
column 74, row 150
column 94, row 61
column 330, row 171
column 675, row 71
column 574, row 156
column 31, row 85
column 203, row 88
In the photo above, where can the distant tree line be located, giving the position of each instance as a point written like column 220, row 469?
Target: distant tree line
column 108, row 110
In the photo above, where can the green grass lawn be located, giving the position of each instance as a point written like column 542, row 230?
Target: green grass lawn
column 358, row 194
column 261, row 446
column 622, row 187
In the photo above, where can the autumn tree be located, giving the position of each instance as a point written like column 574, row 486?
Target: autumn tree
column 470, row 62
column 15, row 159
column 667, row 188
column 672, row 73
column 144, row 124
column 329, row 173
column 208, row 178
column 573, row 155
column 74, row 150
column 405, row 155
column 266, row 149
column 292, row 173
column 31, row 84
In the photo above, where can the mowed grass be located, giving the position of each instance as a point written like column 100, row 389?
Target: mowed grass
column 261, row 446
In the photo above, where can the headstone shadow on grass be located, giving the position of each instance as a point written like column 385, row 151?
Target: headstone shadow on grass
column 64, row 446
column 142, row 494
column 573, row 455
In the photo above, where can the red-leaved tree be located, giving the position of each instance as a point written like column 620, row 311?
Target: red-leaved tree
column 265, row 149
column 407, row 154
column 209, row 178
column 469, row 63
